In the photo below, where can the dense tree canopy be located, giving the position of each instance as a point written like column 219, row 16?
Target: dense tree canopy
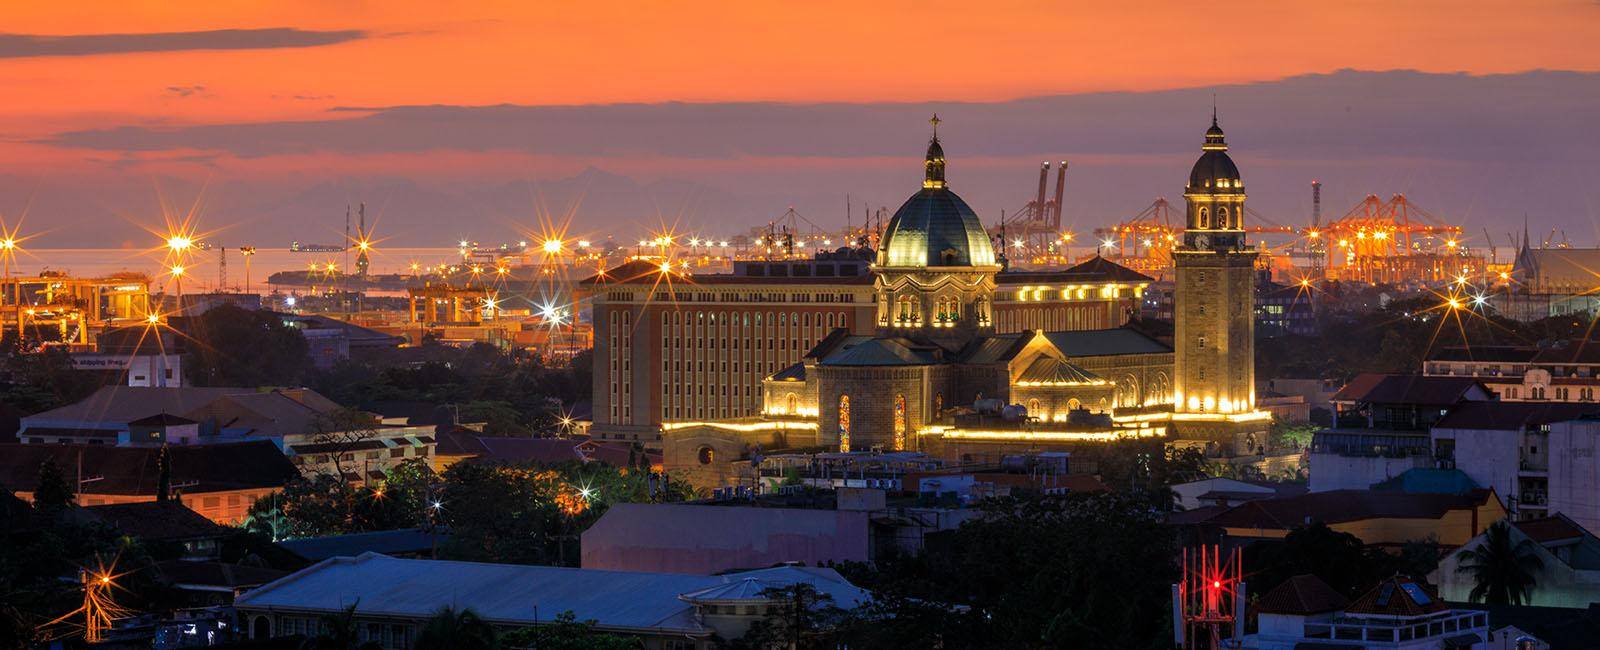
column 1072, row 571
column 232, row 346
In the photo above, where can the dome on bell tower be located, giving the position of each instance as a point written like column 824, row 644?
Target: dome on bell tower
column 935, row 227
column 1214, row 172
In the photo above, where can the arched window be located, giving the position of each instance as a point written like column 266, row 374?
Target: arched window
column 844, row 423
column 1033, row 408
column 938, row 404
column 1205, row 218
column 791, row 404
column 1222, row 218
column 1073, row 404
column 899, row 422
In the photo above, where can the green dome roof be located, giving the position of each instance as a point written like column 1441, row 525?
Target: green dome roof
column 935, row 227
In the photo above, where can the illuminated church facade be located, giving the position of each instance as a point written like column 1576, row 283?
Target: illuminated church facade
column 934, row 375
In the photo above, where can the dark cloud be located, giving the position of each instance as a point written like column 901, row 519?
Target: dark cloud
column 1479, row 150
column 36, row 45
column 185, row 91
column 1341, row 116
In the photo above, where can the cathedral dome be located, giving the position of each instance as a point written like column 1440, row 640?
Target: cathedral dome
column 1214, row 171
column 935, row 227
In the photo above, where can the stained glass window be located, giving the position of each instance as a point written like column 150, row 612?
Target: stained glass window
column 899, row 422
column 844, row 423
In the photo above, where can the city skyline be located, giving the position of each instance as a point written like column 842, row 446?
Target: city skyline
column 214, row 106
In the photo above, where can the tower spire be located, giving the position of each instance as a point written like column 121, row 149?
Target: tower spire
column 933, row 172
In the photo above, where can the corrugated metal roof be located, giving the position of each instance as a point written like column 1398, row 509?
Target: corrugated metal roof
column 512, row 594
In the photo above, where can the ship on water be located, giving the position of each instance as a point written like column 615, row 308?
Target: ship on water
column 297, row 247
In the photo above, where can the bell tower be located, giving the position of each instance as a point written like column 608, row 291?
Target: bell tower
column 1214, row 303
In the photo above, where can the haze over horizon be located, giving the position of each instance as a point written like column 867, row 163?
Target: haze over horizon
column 272, row 120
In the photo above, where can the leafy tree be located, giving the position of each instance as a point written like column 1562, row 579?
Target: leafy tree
column 1503, row 571
column 34, row 381
column 1076, row 570
column 566, row 632
column 54, row 492
column 452, row 629
column 243, row 347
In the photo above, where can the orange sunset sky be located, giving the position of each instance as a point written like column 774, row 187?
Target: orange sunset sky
column 103, row 66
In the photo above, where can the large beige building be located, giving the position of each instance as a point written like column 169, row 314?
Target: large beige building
column 927, row 367
column 673, row 347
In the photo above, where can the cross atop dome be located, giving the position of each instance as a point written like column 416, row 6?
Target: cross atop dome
column 933, row 172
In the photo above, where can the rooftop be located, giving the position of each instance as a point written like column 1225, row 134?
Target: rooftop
column 1094, row 269
column 1107, row 342
column 1338, row 506
column 507, row 594
column 154, row 520
column 1512, row 416
column 132, row 470
column 405, row 540
column 1409, row 389
column 1302, row 595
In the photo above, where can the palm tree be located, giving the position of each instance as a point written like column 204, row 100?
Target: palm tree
column 1502, row 570
column 452, row 629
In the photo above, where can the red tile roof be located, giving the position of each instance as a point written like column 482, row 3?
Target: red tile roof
column 1551, row 529
column 1407, row 389
column 1512, row 416
column 1302, row 595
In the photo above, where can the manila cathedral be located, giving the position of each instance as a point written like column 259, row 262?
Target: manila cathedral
column 935, row 376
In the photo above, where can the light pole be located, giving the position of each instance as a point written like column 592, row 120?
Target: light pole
column 248, row 252
column 8, row 248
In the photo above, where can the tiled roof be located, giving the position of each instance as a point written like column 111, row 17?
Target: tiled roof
column 1302, row 595
column 1397, row 596
column 267, row 413
column 1512, row 416
column 1406, row 389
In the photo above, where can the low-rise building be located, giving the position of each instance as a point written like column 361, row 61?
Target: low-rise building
column 106, row 417
column 1381, row 427
column 1378, row 518
column 1569, row 575
column 1509, row 446
column 392, row 598
column 1399, row 613
column 219, row 481
column 1565, row 371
